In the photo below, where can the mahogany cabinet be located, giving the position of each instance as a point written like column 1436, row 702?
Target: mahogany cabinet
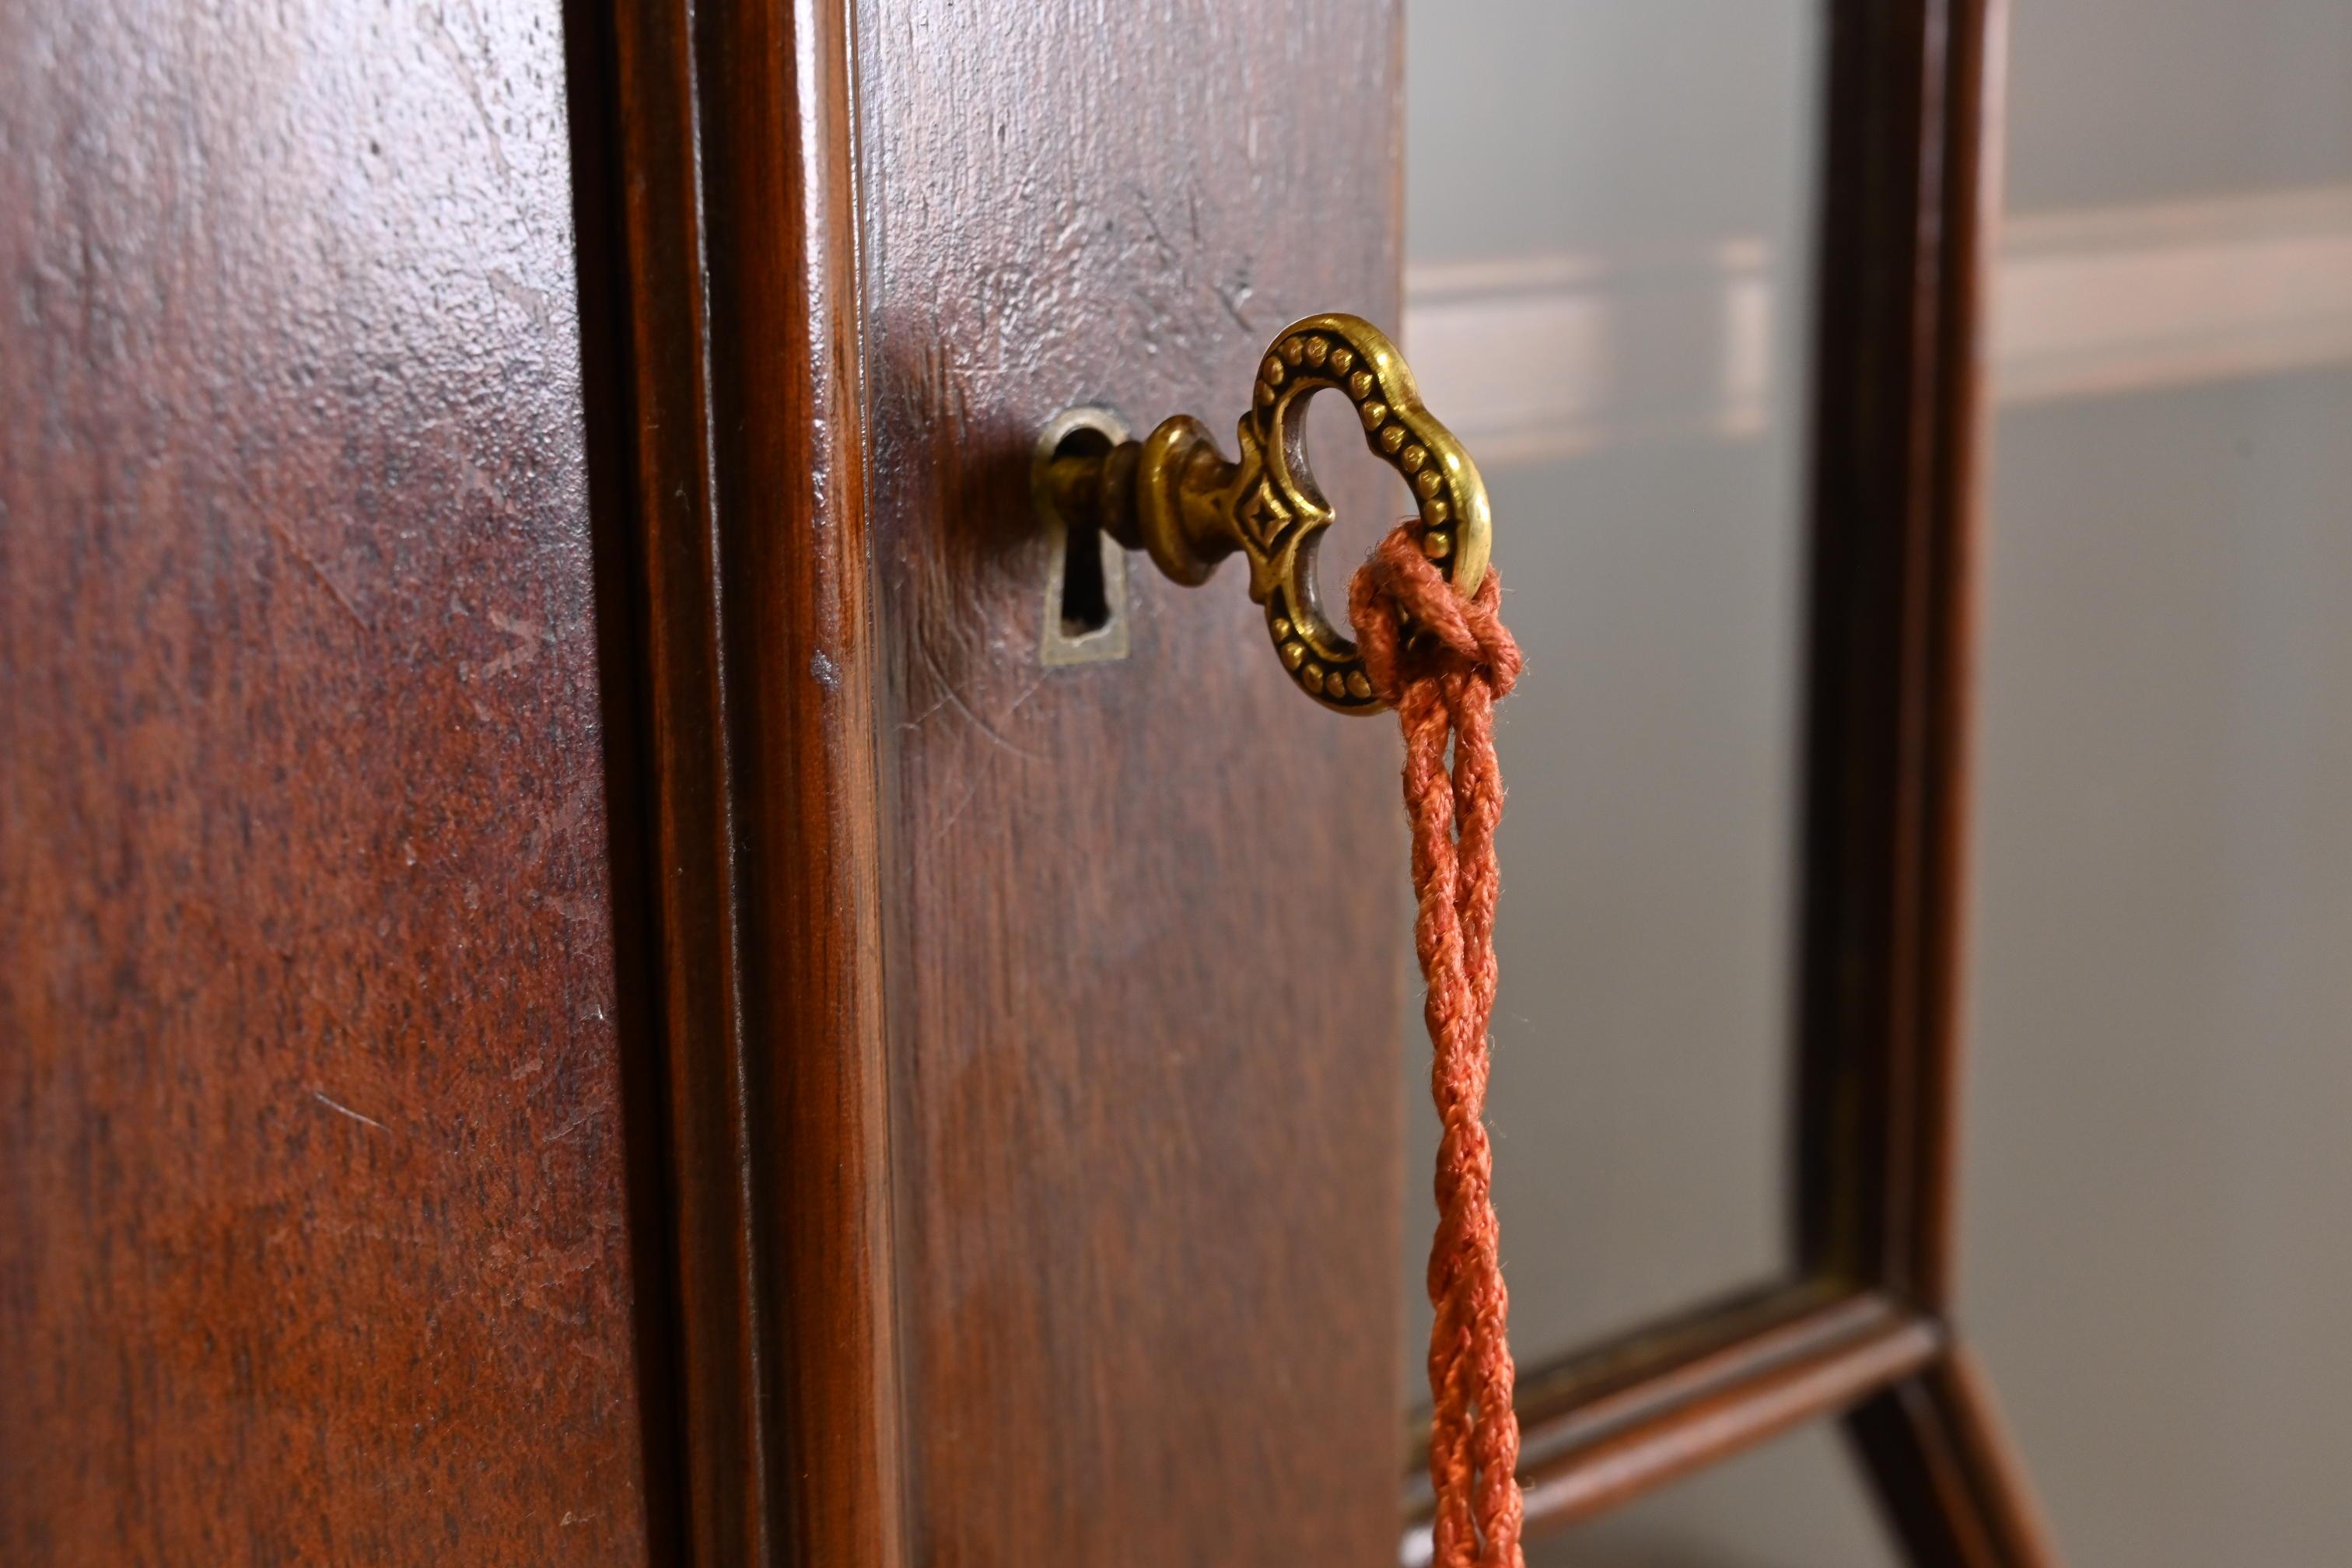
column 576, row 991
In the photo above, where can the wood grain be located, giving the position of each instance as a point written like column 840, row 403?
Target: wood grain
column 736, row 210
column 1141, row 915
column 315, row 1244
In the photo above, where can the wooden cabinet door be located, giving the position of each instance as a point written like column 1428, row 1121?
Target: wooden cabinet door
column 582, row 982
column 316, row 1019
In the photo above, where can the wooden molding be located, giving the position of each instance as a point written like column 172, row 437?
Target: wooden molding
column 1600, row 1428
column 735, row 158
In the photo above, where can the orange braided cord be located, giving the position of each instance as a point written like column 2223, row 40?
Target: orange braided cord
column 1441, row 662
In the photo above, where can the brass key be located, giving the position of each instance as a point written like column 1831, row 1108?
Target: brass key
column 1176, row 498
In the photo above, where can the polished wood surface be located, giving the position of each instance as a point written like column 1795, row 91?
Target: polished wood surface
column 1088, row 969
column 313, row 1124
column 1142, row 916
column 738, row 382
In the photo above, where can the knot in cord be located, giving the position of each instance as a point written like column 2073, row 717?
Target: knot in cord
column 1441, row 662
column 1409, row 622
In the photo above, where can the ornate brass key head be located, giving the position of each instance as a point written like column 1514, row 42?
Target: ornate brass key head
column 1175, row 497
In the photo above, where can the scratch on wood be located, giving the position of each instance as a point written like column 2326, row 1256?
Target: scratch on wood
column 940, row 830
column 955, row 699
column 345, row 1110
column 527, row 635
column 1233, row 299
column 320, row 574
column 574, row 1125
column 1168, row 252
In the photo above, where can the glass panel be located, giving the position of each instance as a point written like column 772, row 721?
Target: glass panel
column 1609, row 210
column 1799, row 1500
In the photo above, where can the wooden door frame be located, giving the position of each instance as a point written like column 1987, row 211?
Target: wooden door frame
column 729, row 142
column 761, row 828
column 1911, row 202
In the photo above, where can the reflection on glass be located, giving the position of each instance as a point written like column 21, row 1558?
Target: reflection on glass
column 1609, row 210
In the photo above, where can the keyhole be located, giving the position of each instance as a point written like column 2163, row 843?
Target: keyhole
column 1085, row 607
column 1086, row 589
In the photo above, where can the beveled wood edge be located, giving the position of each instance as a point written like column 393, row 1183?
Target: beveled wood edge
column 1910, row 179
column 1947, row 1477
column 1756, row 1407
column 1965, row 224
column 1949, row 1483
column 790, row 384
column 690, row 830
column 1571, row 1409
column 734, row 155
column 1599, row 1428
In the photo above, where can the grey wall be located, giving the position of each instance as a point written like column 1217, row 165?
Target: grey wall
column 2158, row 1163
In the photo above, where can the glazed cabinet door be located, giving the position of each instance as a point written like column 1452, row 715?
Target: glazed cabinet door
column 625, row 940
